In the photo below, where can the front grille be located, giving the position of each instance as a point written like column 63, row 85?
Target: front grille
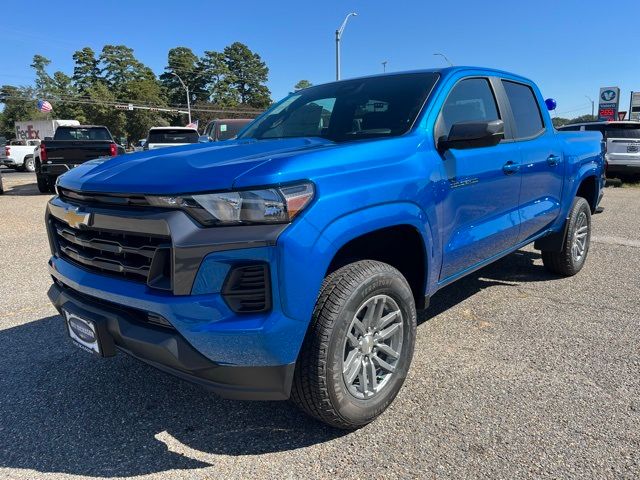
column 125, row 254
column 88, row 198
column 247, row 288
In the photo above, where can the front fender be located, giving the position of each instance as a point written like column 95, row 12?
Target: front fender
column 305, row 261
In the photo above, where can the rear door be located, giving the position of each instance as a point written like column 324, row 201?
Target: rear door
column 482, row 185
column 543, row 165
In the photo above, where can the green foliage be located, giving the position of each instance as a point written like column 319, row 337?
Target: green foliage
column 302, row 84
column 560, row 121
column 86, row 71
column 234, row 78
column 247, row 75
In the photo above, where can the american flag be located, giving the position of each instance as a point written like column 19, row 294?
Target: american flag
column 193, row 125
column 44, row 106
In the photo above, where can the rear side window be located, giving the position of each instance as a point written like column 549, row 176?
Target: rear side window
column 526, row 112
column 470, row 100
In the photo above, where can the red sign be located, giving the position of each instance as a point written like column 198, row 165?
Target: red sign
column 607, row 114
column 621, row 115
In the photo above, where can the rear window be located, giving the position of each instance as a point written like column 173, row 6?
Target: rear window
column 622, row 131
column 524, row 106
column 172, row 136
column 75, row 133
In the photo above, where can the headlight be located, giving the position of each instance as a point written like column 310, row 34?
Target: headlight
column 243, row 207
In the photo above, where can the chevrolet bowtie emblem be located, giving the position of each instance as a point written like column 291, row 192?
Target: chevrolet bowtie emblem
column 76, row 219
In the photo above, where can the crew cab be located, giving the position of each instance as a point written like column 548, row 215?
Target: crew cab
column 72, row 146
column 20, row 155
column 161, row 137
column 622, row 149
column 290, row 262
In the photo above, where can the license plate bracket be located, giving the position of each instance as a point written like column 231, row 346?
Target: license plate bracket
column 89, row 334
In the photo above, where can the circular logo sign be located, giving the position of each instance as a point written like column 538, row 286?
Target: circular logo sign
column 81, row 329
column 608, row 95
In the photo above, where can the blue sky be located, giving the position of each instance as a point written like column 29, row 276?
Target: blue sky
column 569, row 47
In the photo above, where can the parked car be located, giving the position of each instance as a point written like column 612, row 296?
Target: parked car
column 3, row 150
column 290, row 263
column 20, row 155
column 160, row 137
column 139, row 145
column 225, row 129
column 622, row 145
column 72, row 146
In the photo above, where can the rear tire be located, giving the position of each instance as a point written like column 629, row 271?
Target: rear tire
column 43, row 183
column 575, row 248
column 29, row 164
column 359, row 345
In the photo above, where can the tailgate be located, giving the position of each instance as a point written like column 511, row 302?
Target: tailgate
column 72, row 151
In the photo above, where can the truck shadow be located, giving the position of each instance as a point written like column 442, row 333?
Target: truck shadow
column 64, row 411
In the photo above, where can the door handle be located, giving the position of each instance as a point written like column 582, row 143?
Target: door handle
column 553, row 160
column 510, row 168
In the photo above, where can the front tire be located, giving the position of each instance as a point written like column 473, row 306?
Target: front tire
column 43, row 183
column 575, row 248
column 359, row 345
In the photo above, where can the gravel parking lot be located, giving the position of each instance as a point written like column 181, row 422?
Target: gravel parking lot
column 517, row 374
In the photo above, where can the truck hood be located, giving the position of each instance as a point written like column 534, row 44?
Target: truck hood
column 193, row 168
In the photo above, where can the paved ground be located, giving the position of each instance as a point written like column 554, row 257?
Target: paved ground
column 517, row 374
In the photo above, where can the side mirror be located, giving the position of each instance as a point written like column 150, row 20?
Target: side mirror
column 474, row 134
column 204, row 139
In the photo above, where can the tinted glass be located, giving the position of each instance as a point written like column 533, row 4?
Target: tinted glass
column 384, row 106
column 470, row 100
column 172, row 136
column 229, row 130
column 524, row 106
column 72, row 133
column 622, row 131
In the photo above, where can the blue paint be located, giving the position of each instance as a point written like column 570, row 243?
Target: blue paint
column 466, row 210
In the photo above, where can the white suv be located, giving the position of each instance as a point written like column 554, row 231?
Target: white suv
column 622, row 145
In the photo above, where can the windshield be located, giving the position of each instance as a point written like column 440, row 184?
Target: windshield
column 173, row 136
column 373, row 107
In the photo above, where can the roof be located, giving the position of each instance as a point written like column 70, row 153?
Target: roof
column 174, row 128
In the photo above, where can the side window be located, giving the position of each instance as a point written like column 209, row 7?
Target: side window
column 526, row 112
column 470, row 100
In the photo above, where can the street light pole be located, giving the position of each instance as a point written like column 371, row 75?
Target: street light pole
column 338, row 37
column 187, row 89
column 445, row 58
column 592, row 105
column 384, row 66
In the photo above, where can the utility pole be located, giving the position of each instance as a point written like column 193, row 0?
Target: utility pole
column 338, row 37
column 384, row 66
column 592, row 105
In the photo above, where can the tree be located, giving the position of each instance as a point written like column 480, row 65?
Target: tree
column 102, row 112
column 183, row 62
column 216, row 76
column 86, row 71
column 138, row 122
column 560, row 121
column 19, row 104
column 43, row 80
column 120, row 66
column 247, row 75
column 302, row 84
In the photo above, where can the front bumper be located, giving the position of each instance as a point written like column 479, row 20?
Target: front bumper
column 239, row 355
column 165, row 349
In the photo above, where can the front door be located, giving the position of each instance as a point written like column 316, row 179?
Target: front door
column 479, row 212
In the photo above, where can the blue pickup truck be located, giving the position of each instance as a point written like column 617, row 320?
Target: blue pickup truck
column 290, row 262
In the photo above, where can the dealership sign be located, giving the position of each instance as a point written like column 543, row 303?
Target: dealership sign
column 609, row 103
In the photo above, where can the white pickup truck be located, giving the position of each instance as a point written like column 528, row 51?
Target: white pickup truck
column 21, row 155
